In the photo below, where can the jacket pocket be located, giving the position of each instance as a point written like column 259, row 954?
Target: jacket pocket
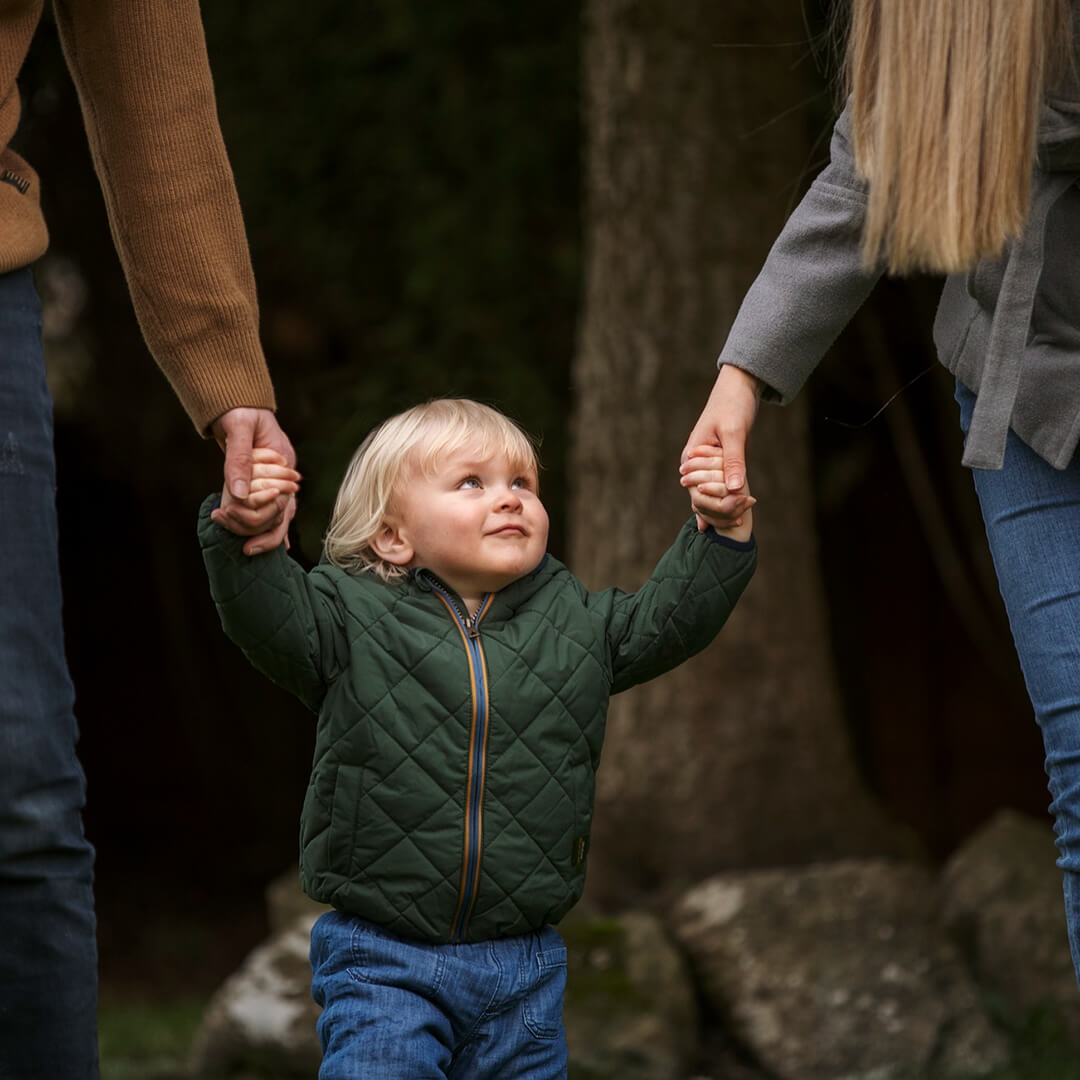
column 584, row 796
column 344, row 817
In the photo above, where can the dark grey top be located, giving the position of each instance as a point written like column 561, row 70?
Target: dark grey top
column 1009, row 329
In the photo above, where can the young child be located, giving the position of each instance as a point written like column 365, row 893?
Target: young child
column 461, row 678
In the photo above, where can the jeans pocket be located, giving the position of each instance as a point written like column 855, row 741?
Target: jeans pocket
column 542, row 1008
column 384, row 959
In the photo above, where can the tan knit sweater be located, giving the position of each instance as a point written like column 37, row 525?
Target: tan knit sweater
column 143, row 79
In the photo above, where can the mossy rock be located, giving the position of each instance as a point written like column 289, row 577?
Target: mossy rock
column 631, row 1011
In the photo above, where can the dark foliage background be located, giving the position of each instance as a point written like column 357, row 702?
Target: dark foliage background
column 410, row 175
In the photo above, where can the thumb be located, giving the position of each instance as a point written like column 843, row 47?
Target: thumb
column 734, row 446
column 238, row 459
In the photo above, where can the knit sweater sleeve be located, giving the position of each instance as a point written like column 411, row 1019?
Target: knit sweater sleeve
column 812, row 283
column 288, row 622
column 679, row 610
column 144, row 84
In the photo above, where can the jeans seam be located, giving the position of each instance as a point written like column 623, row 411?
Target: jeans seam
column 488, row 1010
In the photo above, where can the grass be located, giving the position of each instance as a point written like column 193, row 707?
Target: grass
column 148, row 1039
column 142, row 1039
column 1039, row 1045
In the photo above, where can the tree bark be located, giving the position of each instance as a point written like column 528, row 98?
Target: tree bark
column 696, row 151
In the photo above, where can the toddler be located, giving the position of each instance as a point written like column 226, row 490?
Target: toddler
column 461, row 679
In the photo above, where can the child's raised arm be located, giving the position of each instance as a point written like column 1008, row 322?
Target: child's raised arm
column 702, row 473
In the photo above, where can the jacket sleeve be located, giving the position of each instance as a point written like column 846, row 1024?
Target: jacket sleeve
column 144, row 84
column 679, row 610
column 287, row 621
column 812, row 283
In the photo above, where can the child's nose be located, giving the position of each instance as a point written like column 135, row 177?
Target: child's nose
column 509, row 499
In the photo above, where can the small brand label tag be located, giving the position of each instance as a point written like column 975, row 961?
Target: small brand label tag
column 581, row 847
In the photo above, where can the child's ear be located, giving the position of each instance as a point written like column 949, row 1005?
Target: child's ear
column 392, row 545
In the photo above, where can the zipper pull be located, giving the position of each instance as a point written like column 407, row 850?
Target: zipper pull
column 471, row 628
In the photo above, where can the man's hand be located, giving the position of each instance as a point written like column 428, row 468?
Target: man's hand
column 239, row 432
column 725, row 423
column 271, row 478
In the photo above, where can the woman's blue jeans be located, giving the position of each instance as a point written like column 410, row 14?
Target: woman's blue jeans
column 1032, row 516
column 48, row 952
column 403, row 1010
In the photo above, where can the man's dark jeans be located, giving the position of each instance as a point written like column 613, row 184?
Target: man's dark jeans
column 48, row 952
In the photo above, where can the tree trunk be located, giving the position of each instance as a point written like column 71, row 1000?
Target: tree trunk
column 697, row 150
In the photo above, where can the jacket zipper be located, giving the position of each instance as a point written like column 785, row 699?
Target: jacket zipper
column 478, row 731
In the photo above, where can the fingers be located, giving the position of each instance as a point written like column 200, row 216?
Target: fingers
column 264, row 455
column 264, row 495
column 708, row 483
column 704, row 468
column 719, row 508
column 239, row 438
column 727, row 508
column 247, row 435
column 276, row 534
column 708, row 454
column 263, row 517
column 263, row 476
column 734, row 463
column 245, row 520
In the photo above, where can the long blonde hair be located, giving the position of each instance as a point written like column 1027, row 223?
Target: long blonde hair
column 946, row 97
column 415, row 439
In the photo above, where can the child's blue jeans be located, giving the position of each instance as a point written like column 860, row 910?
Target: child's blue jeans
column 48, row 956
column 1032, row 516
column 403, row 1010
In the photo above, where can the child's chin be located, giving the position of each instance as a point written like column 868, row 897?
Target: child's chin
column 507, row 576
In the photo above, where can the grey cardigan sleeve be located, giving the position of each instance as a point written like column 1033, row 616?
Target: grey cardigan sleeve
column 812, row 283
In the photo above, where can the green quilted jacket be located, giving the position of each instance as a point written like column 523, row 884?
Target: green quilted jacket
column 451, row 792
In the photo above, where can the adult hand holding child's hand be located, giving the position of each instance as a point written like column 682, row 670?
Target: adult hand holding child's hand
column 724, row 427
column 243, row 434
column 272, row 480
column 702, row 473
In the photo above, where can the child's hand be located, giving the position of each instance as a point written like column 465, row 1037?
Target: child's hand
column 271, row 479
column 270, row 476
column 702, row 473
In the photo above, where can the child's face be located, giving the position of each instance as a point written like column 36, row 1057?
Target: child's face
column 477, row 522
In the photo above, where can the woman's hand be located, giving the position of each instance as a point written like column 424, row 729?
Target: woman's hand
column 702, row 474
column 725, row 422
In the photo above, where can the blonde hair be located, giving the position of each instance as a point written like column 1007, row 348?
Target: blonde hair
column 415, row 439
column 946, row 97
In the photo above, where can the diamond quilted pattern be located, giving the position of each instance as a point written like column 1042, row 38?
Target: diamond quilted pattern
column 383, row 823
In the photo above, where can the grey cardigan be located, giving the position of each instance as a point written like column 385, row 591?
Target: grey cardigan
column 1009, row 329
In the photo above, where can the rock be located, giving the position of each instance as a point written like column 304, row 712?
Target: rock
column 837, row 972
column 261, row 1021
column 630, row 1005
column 1002, row 900
column 286, row 901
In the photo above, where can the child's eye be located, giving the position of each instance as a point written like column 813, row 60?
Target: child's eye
column 470, row 482
column 520, row 482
